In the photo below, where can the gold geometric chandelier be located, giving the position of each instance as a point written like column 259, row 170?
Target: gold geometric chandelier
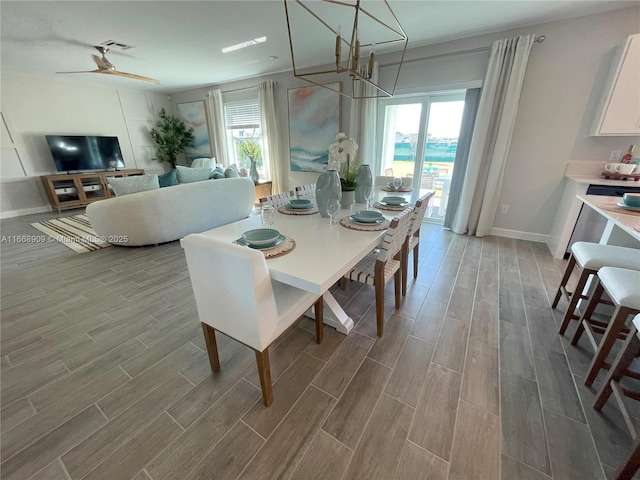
column 347, row 54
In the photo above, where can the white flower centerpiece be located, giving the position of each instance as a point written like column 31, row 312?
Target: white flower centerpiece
column 342, row 155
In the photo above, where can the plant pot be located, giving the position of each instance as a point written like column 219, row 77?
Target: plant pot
column 348, row 198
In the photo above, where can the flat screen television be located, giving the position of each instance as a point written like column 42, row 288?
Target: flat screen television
column 76, row 152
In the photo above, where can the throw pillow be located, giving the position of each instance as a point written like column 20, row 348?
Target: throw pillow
column 189, row 175
column 168, row 179
column 217, row 173
column 134, row 184
column 231, row 172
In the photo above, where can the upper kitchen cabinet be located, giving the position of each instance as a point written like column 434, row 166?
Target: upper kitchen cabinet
column 619, row 111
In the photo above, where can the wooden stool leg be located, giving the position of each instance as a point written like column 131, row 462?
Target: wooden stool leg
column 564, row 281
column 318, row 310
column 625, row 356
column 404, row 267
column 610, row 335
column 264, row 372
column 593, row 303
column 212, row 346
column 574, row 300
column 628, row 469
column 379, row 286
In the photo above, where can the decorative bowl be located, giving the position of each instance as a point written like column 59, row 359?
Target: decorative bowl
column 394, row 200
column 631, row 199
column 260, row 236
column 367, row 216
column 393, row 187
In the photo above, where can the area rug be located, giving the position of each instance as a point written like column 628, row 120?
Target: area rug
column 74, row 232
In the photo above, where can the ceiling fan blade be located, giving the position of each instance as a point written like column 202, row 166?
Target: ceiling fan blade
column 85, row 71
column 130, row 75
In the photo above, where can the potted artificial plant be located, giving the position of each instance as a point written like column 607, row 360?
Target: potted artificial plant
column 171, row 137
column 250, row 149
column 344, row 151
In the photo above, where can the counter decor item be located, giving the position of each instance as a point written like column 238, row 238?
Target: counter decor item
column 363, row 179
column 626, row 158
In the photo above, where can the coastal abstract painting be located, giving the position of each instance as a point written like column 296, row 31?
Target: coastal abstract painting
column 314, row 122
column 194, row 115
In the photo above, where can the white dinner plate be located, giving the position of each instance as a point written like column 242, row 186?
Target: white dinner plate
column 627, row 207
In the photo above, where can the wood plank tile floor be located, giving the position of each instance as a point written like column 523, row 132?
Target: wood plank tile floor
column 105, row 376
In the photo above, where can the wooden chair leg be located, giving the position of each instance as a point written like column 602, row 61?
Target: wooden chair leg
column 404, row 267
column 610, row 335
column 318, row 311
column 212, row 346
column 416, row 250
column 397, row 278
column 627, row 470
column 568, row 316
column 379, row 287
column 343, row 283
column 564, row 281
column 264, row 372
column 625, row 356
column 593, row 303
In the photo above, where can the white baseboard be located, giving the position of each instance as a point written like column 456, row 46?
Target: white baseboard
column 519, row 235
column 25, row 211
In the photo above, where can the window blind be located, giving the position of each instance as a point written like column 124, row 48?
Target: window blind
column 242, row 115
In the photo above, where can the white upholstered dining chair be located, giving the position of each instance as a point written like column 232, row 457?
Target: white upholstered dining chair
column 277, row 199
column 413, row 238
column 235, row 295
column 384, row 263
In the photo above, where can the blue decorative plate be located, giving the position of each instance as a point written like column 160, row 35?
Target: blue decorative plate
column 375, row 222
column 367, row 216
column 293, row 206
column 260, row 236
column 281, row 238
column 393, row 201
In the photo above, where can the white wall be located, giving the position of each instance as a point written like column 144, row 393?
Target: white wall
column 33, row 107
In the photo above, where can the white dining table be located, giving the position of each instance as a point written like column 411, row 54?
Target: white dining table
column 323, row 253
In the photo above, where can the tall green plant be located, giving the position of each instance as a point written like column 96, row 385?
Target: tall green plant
column 251, row 150
column 171, row 137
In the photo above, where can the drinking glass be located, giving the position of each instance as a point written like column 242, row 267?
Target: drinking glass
column 369, row 193
column 333, row 205
column 268, row 215
column 397, row 182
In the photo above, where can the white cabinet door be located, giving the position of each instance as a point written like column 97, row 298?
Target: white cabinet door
column 620, row 109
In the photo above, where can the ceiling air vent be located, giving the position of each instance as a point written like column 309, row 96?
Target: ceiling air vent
column 116, row 44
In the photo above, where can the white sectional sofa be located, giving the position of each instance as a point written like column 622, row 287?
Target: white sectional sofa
column 171, row 213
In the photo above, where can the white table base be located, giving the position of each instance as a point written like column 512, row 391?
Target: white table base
column 334, row 315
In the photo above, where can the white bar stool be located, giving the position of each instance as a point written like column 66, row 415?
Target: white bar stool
column 620, row 366
column 591, row 257
column 623, row 288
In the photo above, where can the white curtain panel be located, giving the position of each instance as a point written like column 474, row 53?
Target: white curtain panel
column 216, row 110
column 492, row 135
column 362, row 120
column 272, row 154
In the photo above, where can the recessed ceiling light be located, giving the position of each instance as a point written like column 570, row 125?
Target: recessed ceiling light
column 248, row 43
column 273, row 57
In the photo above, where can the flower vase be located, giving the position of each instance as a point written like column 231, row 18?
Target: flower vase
column 363, row 179
column 327, row 186
column 253, row 173
column 348, row 198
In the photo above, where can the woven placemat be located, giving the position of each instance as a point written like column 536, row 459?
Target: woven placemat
column 401, row 190
column 345, row 222
column 285, row 247
column 393, row 208
column 299, row 211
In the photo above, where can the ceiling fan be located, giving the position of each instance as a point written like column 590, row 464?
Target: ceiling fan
column 105, row 66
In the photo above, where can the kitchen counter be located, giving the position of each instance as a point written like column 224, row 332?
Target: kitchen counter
column 606, row 206
column 600, row 180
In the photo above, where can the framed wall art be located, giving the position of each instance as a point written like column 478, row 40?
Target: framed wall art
column 194, row 115
column 314, row 122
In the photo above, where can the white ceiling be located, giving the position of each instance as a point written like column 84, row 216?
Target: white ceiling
column 180, row 42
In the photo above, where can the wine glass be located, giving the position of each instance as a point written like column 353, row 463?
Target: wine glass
column 397, row 183
column 369, row 192
column 333, row 205
column 268, row 215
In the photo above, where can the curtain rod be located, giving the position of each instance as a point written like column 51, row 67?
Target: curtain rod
column 239, row 89
column 539, row 39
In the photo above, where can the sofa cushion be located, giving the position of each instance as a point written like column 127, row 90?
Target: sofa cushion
column 217, row 173
column 231, row 172
column 189, row 175
column 209, row 163
column 168, row 179
column 134, row 184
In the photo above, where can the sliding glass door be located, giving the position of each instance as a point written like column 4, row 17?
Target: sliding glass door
column 419, row 140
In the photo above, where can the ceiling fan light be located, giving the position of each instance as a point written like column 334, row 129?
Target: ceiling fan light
column 248, row 43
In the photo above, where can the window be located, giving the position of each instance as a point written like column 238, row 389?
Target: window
column 244, row 137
